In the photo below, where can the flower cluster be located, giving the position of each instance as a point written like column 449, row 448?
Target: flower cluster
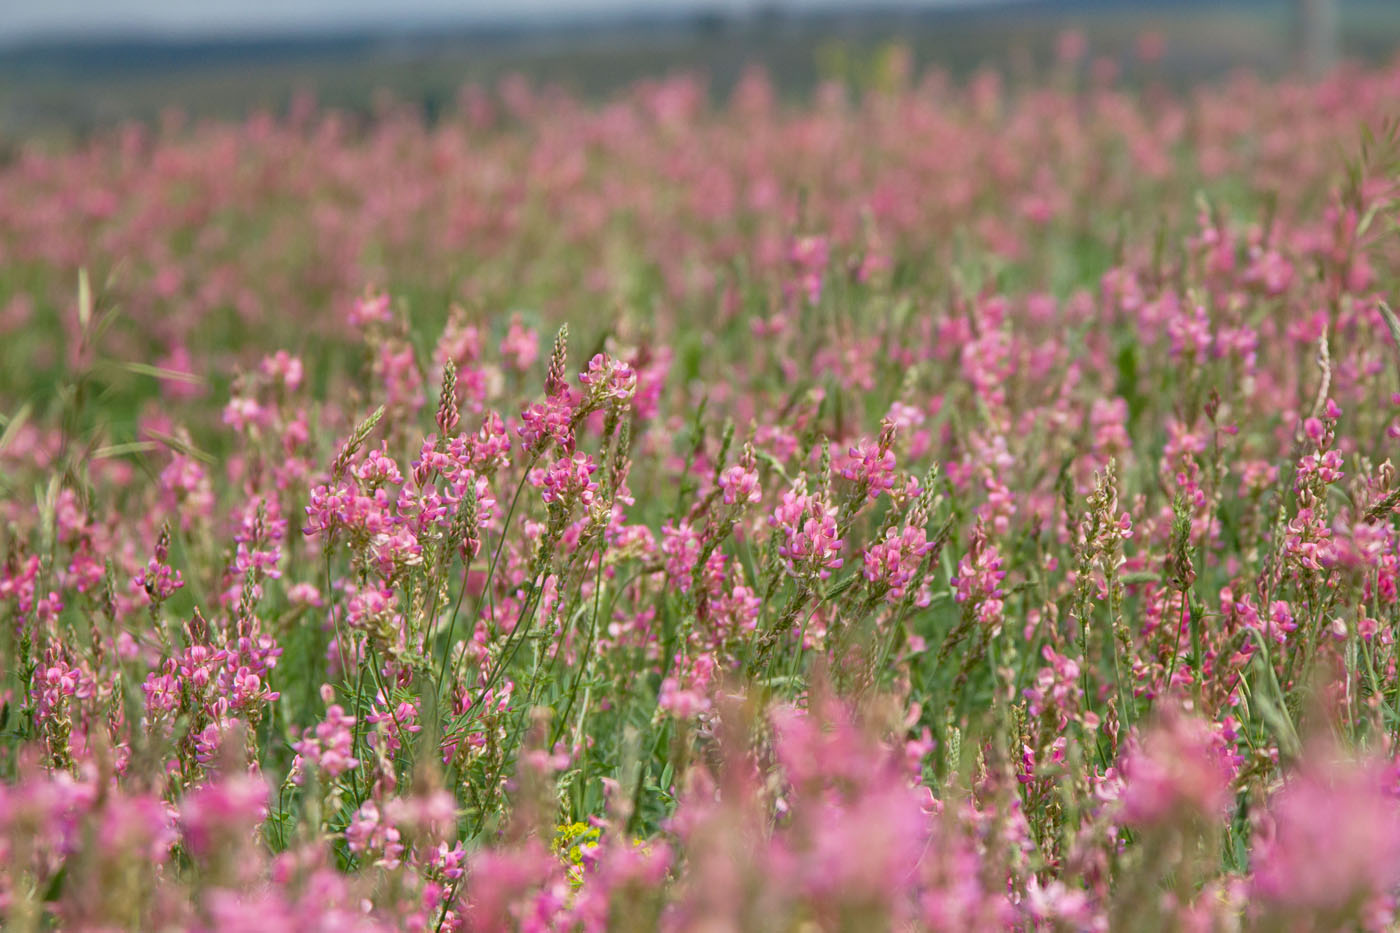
column 1005, row 538
column 810, row 543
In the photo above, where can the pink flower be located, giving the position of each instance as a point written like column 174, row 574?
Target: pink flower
column 680, row 702
column 550, row 420
column 1176, row 772
column 740, row 485
column 284, row 369
column 521, row 345
column 978, row 580
column 681, row 545
column 372, row 308
column 568, row 481
column 871, row 466
column 808, row 256
column 219, row 816
column 810, row 543
column 329, row 744
column 611, row 381
column 894, row 561
column 1331, row 841
column 372, row 837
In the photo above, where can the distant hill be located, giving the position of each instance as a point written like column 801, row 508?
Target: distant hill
column 59, row 85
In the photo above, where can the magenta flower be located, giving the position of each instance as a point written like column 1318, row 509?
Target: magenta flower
column 895, row 561
column 871, row 466
column 1330, row 845
column 568, row 481
column 740, row 485
column 1177, row 771
column 681, row 545
column 810, row 543
column 978, row 581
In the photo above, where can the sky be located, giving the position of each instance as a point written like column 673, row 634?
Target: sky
column 21, row 19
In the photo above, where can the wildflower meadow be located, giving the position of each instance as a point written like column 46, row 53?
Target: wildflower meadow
column 930, row 504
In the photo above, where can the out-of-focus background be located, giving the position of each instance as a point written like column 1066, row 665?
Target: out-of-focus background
column 70, row 66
